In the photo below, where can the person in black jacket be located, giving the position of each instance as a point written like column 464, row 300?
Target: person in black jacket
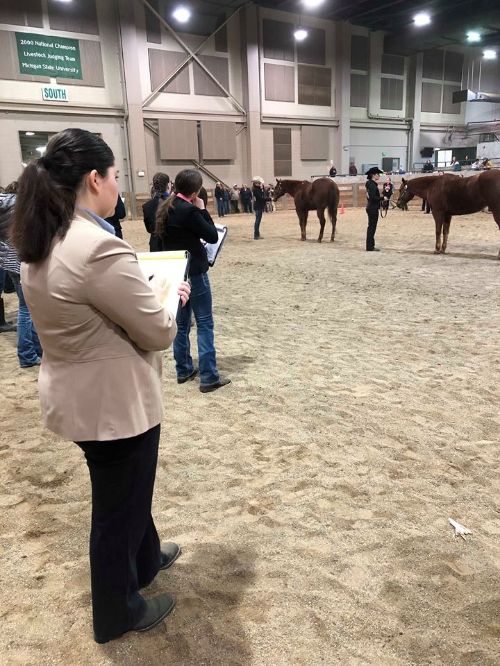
column 219, row 198
column 119, row 214
column 246, row 198
column 203, row 194
column 259, row 205
column 387, row 192
column 182, row 221
column 372, row 206
column 159, row 191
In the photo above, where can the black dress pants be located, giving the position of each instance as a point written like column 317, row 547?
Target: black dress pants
column 372, row 227
column 124, row 545
column 426, row 206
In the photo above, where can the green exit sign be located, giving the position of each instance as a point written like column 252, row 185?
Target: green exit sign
column 55, row 94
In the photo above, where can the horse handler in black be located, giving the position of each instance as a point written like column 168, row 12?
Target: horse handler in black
column 372, row 206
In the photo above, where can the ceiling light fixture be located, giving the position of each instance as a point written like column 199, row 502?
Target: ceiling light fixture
column 422, row 19
column 489, row 54
column 181, row 14
column 300, row 34
column 312, row 4
column 29, row 133
column 473, row 36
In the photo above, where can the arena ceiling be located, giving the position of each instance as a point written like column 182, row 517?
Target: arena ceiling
column 450, row 19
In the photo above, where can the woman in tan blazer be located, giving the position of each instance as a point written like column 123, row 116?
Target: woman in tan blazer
column 101, row 326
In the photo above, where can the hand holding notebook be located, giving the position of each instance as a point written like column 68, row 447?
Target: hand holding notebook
column 166, row 272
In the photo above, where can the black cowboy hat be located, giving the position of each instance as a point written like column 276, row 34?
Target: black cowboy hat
column 373, row 171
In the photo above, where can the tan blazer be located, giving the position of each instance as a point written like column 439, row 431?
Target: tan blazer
column 100, row 326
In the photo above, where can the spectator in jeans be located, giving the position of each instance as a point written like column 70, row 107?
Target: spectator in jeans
column 246, row 199
column 219, row 198
column 226, row 195
column 29, row 350
column 182, row 221
column 259, row 204
column 235, row 197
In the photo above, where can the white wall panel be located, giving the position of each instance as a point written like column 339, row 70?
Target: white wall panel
column 111, row 130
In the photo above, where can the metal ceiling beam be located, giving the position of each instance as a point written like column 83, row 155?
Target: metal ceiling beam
column 193, row 55
column 183, row 64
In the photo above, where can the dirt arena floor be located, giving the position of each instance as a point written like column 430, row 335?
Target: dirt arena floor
column 311, row 496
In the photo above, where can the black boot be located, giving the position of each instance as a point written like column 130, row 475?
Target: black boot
column 4, row 326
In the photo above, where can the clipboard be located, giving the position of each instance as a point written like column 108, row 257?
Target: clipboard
column 169, row 267
column 213, row 249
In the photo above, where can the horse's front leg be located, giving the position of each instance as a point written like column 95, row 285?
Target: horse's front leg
column 496, row 216
column 302, row 223
column 322, row 222
column 446, row 231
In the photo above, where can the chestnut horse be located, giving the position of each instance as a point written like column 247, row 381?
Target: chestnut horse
column 403, row 206
column 450, row 195
column 319, row 195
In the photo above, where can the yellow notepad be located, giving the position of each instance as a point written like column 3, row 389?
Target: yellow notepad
column 165, row 271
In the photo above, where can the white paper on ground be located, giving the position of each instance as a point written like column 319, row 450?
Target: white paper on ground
column 460, row 530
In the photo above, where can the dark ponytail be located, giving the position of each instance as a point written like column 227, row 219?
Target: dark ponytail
column 48, row 188
column 186, row 182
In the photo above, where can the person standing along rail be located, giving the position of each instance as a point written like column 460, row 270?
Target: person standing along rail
column 372, row 206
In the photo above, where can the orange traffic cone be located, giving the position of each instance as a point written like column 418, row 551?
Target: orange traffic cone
column 342, row 209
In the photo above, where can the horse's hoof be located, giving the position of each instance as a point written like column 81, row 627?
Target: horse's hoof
column 319, row 240
column 437, row 251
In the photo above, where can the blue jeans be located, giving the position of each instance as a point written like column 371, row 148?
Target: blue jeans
column 28, row 344
column 220, row 207
column 258, row 220
column 200, row 303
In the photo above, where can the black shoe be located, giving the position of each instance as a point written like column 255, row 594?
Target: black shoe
column 258, row 237
column 5, row 326
column 207, row 388
column 373, row 249
column 157, row 609
column 169, row 553
column 183, row 380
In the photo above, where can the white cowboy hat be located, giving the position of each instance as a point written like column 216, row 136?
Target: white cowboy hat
column 257, row 179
